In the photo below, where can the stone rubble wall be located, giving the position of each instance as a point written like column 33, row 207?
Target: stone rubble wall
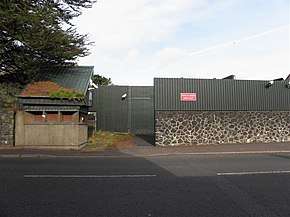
column 7, row 129
column 174, row 128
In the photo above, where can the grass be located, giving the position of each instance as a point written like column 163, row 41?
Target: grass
column 102, row 140
column 52, row 90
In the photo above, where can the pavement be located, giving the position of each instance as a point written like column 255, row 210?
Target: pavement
column 144, row 149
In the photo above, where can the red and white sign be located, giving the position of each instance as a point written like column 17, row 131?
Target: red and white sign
column 188, row 96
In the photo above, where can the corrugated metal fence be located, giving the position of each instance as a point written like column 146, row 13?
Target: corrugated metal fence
column 134, row 114
column 221, row 95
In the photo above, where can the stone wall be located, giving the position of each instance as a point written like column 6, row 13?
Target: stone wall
column 174, row 128
column 7, row 127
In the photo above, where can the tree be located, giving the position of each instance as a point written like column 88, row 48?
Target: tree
column 101, row 80
column 36, row 34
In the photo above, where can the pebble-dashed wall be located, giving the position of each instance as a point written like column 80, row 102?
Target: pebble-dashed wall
column 173, row 128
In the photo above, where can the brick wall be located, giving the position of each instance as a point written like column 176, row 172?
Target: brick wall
column 174, row 128
column 7, row 130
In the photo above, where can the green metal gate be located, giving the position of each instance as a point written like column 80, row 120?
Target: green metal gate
column 125, row 109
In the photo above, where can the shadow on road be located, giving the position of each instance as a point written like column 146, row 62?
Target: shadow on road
column 112, row 183
column 144, row 140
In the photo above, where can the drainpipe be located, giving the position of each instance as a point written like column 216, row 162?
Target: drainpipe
column 129, row 128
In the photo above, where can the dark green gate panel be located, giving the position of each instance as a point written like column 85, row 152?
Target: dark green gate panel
column 111, row 110
column 133, row 114
column 142, row 115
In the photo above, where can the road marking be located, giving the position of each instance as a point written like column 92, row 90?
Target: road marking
column 214, row 153
column 89, row 176
column 253, row 173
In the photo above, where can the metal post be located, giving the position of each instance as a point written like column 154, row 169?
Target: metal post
column 129, row 109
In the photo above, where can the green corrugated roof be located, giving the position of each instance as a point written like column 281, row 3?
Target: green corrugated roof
column 71, row 77
column 51, row 108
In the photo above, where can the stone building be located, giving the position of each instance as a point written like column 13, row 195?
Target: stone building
column 215, row 111
column 53, row 109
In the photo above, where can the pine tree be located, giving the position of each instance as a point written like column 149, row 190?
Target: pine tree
column 35, row 34
column 101, row 80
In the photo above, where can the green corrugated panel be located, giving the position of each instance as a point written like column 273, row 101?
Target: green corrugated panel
column 48, row 101
column 51, row 108
column 133, row 114
column 112, row 111
column 73, row 77
column 142, row 110
column 221, row 95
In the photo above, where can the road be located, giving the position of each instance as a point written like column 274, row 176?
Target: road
column 178, row 185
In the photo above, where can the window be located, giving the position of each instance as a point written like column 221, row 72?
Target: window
column 52, row 116
column 34, row 117
column 68, row 116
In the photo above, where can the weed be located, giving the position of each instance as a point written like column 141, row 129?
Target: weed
column 102, row 140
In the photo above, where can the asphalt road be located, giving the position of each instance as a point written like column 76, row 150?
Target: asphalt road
column 211, row 185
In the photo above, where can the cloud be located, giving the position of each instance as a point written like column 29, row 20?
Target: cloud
column 266, row 67
column 234, row 42
column 116, row 26
column 169, row 56
column 133, row 56
column 137, row 40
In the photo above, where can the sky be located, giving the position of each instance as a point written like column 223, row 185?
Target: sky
column 137, row 40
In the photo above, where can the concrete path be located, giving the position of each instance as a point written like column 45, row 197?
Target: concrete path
column 252, row 148
column 140, row 150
